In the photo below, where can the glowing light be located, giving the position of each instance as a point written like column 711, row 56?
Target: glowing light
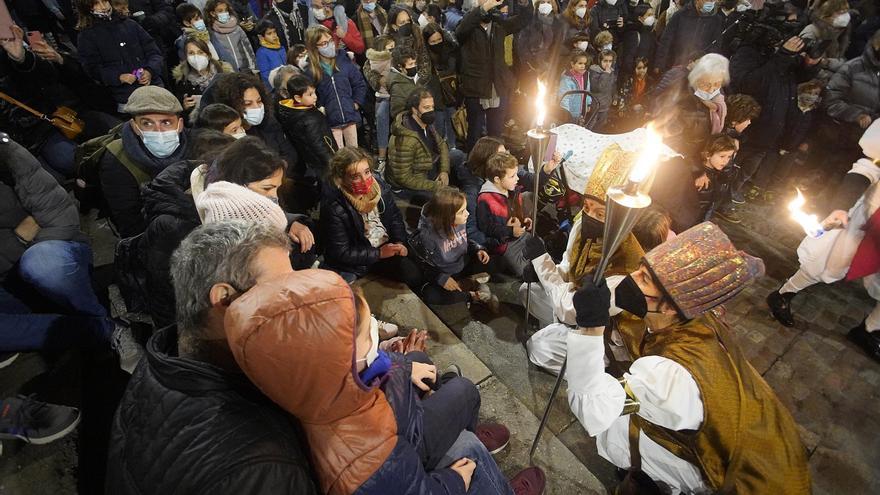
column 648, row 157
column 539, row 104
column 808, row 222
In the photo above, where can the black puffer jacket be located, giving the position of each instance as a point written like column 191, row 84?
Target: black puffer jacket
column 27, row 189
column 18, row 80
column 170, row 214
column 346, row 247
column 603, row 17
column 188, row 427
column 307, row 129
column 688, row 33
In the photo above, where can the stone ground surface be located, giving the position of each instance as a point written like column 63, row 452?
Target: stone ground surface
column 830, row 387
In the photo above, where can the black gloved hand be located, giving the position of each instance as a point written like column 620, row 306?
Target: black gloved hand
column 534, row 248
column 591, row 303
column 529, row 275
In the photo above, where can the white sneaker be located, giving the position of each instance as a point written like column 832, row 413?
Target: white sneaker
column 129, row 351
column 386, row 329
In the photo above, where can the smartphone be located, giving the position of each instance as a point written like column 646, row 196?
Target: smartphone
column 5, row 23
column 34, row 37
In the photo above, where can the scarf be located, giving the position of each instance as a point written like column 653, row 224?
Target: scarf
column 639, row 88
column 199, row 35
column 199, row 80
column 719, row 114
column 578, row 78
column 292, row 18
column 226, row 28
column 364, row 204
column 271, row 46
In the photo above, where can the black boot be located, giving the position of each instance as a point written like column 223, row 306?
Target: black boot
column 780, row 307
column 868, row 341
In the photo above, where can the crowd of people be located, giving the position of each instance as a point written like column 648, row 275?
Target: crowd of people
column 234, row 146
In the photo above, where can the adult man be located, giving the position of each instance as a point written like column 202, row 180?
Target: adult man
column 691, row 413
column 852, row 91
column 419, row 160
column 153, row 139
column 189, row 421
column 695, row 29
column 850, row 252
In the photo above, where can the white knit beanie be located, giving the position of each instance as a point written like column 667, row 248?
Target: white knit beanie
column 227, row 201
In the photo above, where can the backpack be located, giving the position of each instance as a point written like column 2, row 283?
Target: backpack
column 87, row 163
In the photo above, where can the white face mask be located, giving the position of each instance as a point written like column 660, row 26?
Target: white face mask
column 841, row 21
column 198, row 62
column 545, row 9
column 583, row 45
column 319, row 14
column 254, row 116
column 580, row 12
column 649, row 21
column 303, row 63
column 705, row 95
column 611, row 2
column 239, row 135
column 743, row 7
column 607, row 47
column 423, row 21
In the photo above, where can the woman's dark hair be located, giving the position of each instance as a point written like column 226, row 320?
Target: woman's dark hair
column 483, row 149
column 211, row 5
column 433, row 10
column 345, row 158
column 205, row 144
column 84, row 12
column 201, row 45
column 216, row 116
column 263, row 26
column 640, row 9
column 246, row 160
column 431, row 29
column 298, row 85
column 393, row 13
column 229, row 89
column 381, row 41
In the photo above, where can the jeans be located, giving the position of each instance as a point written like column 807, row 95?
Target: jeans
column 487, row 477
column 750, row 162
column 443, row 124
column 491, row 119
column 383, row 122
column 57, row 153
column 57, row 272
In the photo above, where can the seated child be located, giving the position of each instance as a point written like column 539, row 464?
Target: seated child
column 270, row 53
column 306, row 126
column 574, row 79
column 454, row 263
column 193, row 25
column 603, row 87
column 402, row 78
column 500, row 213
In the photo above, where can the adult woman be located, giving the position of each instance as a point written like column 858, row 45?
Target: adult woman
column 407, row 33
column 575, row 19
column 341, row 88
column 443, row 52
column 248, row 162
column 193, row 74
column 830, row 23
column 362, row 228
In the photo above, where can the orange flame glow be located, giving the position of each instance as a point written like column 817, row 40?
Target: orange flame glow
column 808, row 222
column 648, row 157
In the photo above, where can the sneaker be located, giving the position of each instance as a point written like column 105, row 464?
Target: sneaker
column 36, row 422
column 529, row 481
column 483, row 295
column 7, row 358
column 127, row 348
column 737, row 197
column 780, row 307
column 450, row 372
column 494, row 436
column 386, row 329
column 730, row 216
column 754, row 193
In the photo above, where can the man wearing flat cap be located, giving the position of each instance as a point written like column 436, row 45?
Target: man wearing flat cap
column 153, row 139
column 691, row 414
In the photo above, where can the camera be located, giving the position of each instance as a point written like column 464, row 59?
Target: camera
column 769, row 28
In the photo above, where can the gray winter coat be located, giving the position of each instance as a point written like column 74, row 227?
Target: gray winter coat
column 855, row 88
column 27, row 189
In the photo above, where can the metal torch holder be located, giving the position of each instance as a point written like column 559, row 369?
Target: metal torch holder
column 538, row 141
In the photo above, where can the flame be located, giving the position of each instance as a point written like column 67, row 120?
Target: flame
column 539, row 104
column 809, row 223
column 648, row 157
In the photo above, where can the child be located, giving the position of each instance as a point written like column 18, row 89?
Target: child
column 603, row 86
column 446, row 253
column 500, row 212
column 270, row 54
column 222, row 118
column 193, row 25
column 120, row 8
column 306, row 126
column 574, row 79
column 718, row 173
column 298, row 56
column 376, row 71
column 630, row 101
column 604, row 41
column 230, row 40
column 402, row 79
column 741, row 110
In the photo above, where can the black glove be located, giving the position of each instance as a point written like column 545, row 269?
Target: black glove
column 529, row 275
column 534, row 248
column 629, row 297
column 591, row 303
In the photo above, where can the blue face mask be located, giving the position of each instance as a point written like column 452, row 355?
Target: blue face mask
column 378, row 368
column 369, row 7
column 223, row 17
column 708, row 7
column 199, row 25
column 161, row 144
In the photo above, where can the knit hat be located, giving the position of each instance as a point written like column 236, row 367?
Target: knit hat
column 870, row 141
column 701, row 269
column 227, row 201
column 152, row 99
column 611, row 169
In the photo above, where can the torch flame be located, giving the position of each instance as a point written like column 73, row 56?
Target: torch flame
column 648, row 157
column 809, row 223
column 539, row 104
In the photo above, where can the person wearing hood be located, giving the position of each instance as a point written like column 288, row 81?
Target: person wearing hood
column 189, row 421
column 228, row 37
column 152, row 140
column 116, row 51
column 695, row 29
column 370, row 425
column 831, row 23
column 535, row 43
column 850, row 252
column 194, row 73
column 690, row 413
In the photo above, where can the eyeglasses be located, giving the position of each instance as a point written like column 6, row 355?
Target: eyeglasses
column 322, row 44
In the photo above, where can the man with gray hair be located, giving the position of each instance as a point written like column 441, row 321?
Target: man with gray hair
column 190, row 421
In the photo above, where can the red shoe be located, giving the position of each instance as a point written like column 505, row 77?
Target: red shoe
column 529, row 481
column 494, row 436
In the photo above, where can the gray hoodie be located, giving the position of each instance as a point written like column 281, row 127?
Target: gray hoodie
column 445, row 256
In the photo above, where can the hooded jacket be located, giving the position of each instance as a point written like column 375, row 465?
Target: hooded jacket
column 855, row 89
column 294, row 337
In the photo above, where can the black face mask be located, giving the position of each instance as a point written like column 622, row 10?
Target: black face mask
column 412, row 71
column 285, row 5
column 629, row 297
column 405, row 30
column 591, row 228
column 436, row 48
column 427, row 117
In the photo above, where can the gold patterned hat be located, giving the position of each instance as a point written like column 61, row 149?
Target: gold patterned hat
column 611, row 169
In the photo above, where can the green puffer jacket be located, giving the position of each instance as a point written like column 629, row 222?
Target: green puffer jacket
column 400, row 86
column 410, row 160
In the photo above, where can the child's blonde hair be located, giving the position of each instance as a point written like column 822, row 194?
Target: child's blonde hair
column 443, row 207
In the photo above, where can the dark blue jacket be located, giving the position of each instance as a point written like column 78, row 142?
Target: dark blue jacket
column 110, row 48
column 687, row 33
column 346, row 247
column 339, row 92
